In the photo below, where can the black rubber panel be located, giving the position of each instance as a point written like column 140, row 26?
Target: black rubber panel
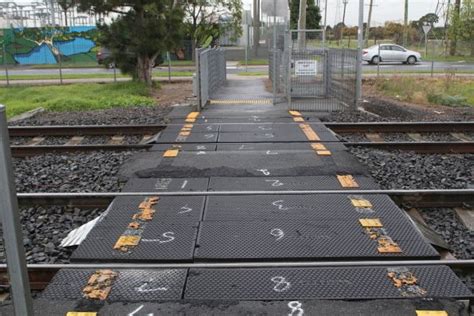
column 331, row 146
column 351, row 283
column 286, row 183
column 305, row 240
column 176, row 209
column 197, row 128
column 298, row 207
column 160, row 242
column 280, row 135
column 165, row 184
column 267, row 128
column 130, row 285
column 185, row 147
column 174, row 138
column 233, row 119
column 253, row 164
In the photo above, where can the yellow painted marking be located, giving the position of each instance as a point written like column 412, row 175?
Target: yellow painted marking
column 127, row 241
column 309, row 132
column 294, row 113
column 185, row 133
column 188, row 120
column 370, row 222
column 323, row 153
column 237, row 101
column 188, row 126
column 81, row 314
column 387, row 245
column 347, row 181
column 318, row 146
column 431, row 313
column 171, row 153
column 362, row 203
column 186, row 129
column 193, row 115
column 298, row 119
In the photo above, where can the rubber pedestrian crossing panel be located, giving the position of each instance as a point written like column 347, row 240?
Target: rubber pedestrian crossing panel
column 165, row 184
column 176, row 209
column 286, row 183
column 280, row 135
column 173, row 137
column 326, row 239
column 299, row 207
column 253, row 164
column 156, row 242
column 346, row 283
column 267, row 127
column 130, row 285
column 194, row 128
column 185, row 147
column 332, row 146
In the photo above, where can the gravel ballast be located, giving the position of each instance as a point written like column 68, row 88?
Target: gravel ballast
column 408, row 170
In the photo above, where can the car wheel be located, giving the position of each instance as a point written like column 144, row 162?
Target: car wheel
column 375, row 60
column 411, row 60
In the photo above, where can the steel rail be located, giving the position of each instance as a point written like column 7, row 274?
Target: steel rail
column 420, row 147
column 412, row 198
column 401, row 127
column 76, row 130
column 25, row 150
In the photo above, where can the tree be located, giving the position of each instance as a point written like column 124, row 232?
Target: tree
column 142, row 32
column 313, row 16
column 207, row 20
column 66, row 5
column 455, row 24
column 462, row 26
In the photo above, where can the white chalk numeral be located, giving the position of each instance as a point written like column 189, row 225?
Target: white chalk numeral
column 264, row 171
column 185, row 209
column 296, row 309
column 145, row 289
column 275, row 183
column 280, row 206
column 269, row 152
column 168, row 235
column 281, row 285
column 263, row 128
column 277, row 233
column 137, row 310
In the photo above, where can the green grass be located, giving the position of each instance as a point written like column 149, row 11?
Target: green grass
column 254, row 62
column 253, row 73
column 91, row 76
column 75, row 97
column 85, row 63
column 447, row 90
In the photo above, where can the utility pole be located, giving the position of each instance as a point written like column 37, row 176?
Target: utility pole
column 446, row 25
column 454, row 40
column 369, row 19
column 256, row 26
column 405, row 31
column 344, row 12
column 360, row 42
column 302, row 25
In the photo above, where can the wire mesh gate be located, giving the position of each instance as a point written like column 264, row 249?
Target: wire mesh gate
column 310, row 76
column 211, row 73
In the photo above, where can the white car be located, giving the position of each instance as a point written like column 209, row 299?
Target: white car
column 390, row 53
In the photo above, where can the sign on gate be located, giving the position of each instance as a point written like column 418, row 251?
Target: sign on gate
column 306, row 67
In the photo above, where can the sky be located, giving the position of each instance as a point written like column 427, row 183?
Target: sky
column 383, row 10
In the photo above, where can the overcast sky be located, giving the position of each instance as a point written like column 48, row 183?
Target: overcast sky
column 383, row 10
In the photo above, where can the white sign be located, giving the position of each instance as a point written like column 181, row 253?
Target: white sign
column 306, row 67
column 426, row 28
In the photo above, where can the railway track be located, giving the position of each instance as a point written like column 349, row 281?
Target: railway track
column 114, row 137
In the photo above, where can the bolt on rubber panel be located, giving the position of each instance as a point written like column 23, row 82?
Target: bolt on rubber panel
column 331, row 146
column 267, row 127
column 159, row 242
column 305, row 240
column 185, row 147
column 175, row 209
column 254, row 164
column 299, row 207
column 346, row 283
column 300, row 183
column 280, row 135
column 130, row 285
column 165, row 184
column 173, row 137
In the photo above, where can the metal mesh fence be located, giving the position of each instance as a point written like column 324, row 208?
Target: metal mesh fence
column 211, row 73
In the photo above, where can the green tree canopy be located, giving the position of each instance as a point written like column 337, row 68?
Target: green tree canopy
column 462, row 26
column 142, row 32
column 313, row 16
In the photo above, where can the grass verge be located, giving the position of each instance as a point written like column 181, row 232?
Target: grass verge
column 253, row 73
column 75, row 97
column 91, row 76
column 254, row 62
column 448, row 90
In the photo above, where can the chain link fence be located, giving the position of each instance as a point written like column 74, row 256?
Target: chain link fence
column 310, row 76
column 211, row 73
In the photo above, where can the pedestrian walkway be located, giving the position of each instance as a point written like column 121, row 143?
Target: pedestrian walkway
column 254, row 151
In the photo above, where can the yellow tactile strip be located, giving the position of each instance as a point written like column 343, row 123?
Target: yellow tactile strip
column 347, row 181
column 99, row 284
column 320, row 149
column 241, row 101
column 309, row 132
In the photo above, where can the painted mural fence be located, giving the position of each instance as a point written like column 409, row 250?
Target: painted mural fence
column 49, row 46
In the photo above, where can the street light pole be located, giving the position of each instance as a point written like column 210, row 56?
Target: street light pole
column 360, row 43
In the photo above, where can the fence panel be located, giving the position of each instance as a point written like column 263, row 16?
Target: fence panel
column 211, row 73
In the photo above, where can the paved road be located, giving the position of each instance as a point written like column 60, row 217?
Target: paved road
column 233, row 68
